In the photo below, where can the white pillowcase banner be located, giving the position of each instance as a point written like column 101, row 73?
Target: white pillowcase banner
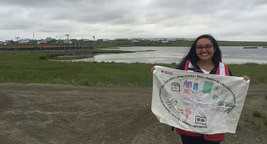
column 197, row 102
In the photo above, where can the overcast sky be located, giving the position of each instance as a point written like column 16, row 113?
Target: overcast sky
column 109, row 19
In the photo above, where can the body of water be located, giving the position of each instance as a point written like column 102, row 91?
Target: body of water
column 236, row 55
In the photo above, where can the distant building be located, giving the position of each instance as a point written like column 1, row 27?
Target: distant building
column 172, row 39
column 24, row 41
column 7, row 42
column 67, row 41
column 43, row 41
column 135, row 41
column 164, row 41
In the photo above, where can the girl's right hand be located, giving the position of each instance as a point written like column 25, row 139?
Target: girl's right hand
column 246, row 78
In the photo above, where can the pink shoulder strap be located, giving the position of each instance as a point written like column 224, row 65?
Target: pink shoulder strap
column 222, row 69
column 188, row 65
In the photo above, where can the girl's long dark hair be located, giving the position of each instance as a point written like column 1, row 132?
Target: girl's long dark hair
column 192, row 56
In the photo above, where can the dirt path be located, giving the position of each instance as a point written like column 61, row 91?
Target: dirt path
column 59, row 114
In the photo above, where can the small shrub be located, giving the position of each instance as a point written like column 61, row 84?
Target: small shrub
column 43, row 57
column 257, row 114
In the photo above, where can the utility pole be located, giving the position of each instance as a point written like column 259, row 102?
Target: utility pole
column 68, row 37
column 33, row 41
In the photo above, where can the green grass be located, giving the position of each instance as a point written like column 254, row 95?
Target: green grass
column 256, row 72
column 33, row 68
column 36, row 68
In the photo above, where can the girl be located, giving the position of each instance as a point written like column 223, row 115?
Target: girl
column 204, row 57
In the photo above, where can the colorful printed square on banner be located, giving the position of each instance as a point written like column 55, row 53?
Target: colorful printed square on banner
column 207, row 87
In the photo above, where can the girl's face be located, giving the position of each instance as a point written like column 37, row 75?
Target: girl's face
column 204, row 49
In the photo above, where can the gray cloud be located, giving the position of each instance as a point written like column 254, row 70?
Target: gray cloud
column 226, row 19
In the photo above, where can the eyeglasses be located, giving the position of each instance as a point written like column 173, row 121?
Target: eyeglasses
column 207, row 46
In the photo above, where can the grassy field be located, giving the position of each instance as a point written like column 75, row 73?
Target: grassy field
column 36, row 68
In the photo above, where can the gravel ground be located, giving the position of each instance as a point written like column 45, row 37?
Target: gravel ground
column 63, row 114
